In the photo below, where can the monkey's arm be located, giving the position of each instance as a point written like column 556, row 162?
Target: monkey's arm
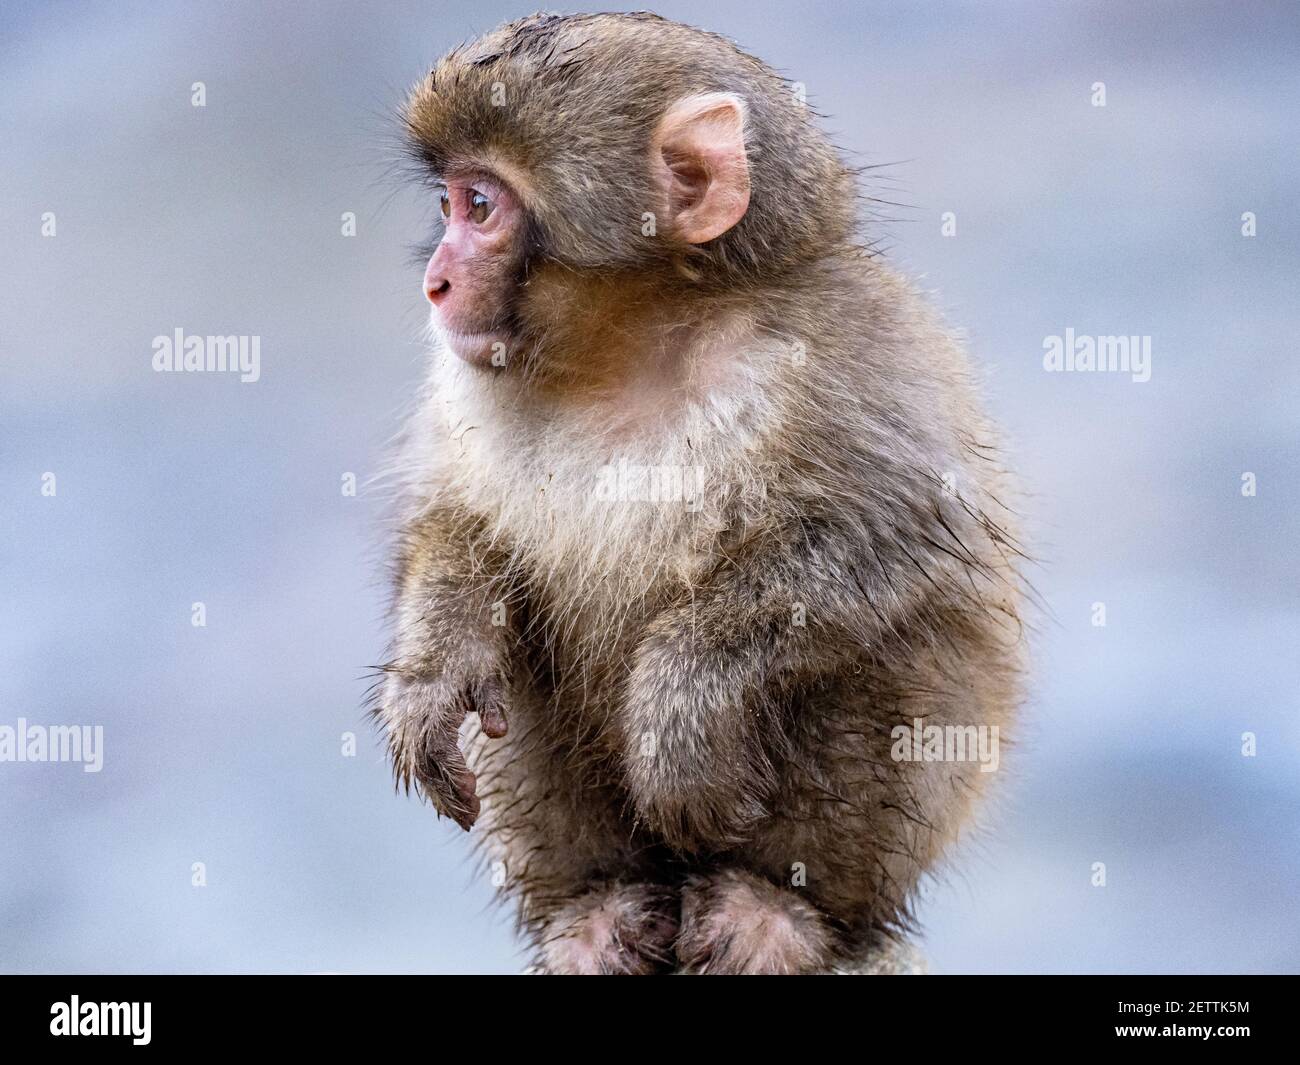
column 704, row 697
column 450, row 659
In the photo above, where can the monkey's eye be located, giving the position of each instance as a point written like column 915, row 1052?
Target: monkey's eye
column 444, row 203
column 479, row 208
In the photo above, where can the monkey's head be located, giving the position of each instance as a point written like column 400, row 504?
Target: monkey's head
column 591, row 161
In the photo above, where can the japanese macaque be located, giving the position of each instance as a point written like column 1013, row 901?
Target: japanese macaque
column 699, row 514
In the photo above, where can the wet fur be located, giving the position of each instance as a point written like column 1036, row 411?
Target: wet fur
column 824, row 492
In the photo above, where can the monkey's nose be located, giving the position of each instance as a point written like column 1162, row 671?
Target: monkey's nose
column 435, row 290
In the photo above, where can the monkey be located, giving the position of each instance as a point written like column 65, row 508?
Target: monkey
column 697, row 509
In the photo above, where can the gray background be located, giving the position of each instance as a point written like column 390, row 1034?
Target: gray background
column 223, row 743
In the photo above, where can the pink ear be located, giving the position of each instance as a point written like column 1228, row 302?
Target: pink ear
column 701, row 164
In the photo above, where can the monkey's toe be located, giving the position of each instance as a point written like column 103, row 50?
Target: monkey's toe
column 738, row 924
column 622, row 929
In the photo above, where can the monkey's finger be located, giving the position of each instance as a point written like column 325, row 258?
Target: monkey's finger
column 493, row 720
column 465, row 810
column 489, row 700
column 451, row 785
column 463, row 803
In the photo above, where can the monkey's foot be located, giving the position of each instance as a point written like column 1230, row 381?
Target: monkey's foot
column 624, row 929
column 735, row 923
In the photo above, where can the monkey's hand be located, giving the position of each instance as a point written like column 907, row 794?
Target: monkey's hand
column 424, row 715
column 698, row 774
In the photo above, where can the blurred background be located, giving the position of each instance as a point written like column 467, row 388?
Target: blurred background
column 224, row 744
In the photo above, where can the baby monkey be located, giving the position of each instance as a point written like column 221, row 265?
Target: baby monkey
column 699, row 516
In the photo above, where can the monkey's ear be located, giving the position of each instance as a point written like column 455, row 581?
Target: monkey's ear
column 701, row 166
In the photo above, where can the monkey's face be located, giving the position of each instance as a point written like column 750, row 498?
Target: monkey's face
column 616, row 155
column 472, row 277
column 488, row 278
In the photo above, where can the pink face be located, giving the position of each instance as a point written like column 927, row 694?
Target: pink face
column 472, row 276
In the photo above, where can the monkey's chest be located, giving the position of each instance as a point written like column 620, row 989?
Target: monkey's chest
column 601, row 556
column 607, row 519
column 600, row 530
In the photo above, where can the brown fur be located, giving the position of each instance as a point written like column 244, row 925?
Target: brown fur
column 678, row 741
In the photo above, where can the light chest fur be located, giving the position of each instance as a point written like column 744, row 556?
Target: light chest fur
column 608, row 503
